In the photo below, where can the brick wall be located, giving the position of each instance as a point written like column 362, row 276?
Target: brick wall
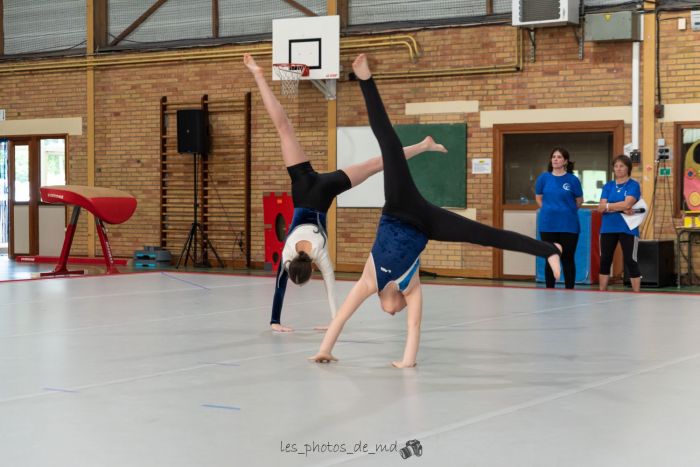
column 127, row 117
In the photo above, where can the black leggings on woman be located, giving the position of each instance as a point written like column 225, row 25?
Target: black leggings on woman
column 404, row 201
column 568, row 242
column 608, row 243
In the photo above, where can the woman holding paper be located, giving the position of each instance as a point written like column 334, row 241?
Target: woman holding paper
column 618, row 197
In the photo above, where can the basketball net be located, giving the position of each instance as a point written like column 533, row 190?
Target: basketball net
column 289, row 75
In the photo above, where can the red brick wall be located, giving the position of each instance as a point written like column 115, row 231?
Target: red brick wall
column 556, row 79
column 127, row 117
column 52, row 95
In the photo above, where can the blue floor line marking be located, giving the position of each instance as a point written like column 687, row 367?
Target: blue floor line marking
column 58, row 390
column 217, row 406
column 185, row 281
column 219, row 363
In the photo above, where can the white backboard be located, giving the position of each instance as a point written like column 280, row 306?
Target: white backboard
column 313, row 41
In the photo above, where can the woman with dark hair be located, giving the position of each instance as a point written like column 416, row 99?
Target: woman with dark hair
column 408, row 221
column 618, row 197
column 559, row 194
column 312, row 194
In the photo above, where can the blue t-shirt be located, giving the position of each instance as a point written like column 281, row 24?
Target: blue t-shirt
column 613, row 222
column 559, row 210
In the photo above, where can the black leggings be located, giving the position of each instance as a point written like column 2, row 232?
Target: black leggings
column 404, row 201
column 568, row 242
column 313, row 190
column 608, row 243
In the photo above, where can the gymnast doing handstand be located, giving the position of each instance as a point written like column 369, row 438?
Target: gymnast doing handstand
column 408, row 221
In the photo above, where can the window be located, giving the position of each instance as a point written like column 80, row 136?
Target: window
column 21, row 187
column 526, row 156
column 53, row 162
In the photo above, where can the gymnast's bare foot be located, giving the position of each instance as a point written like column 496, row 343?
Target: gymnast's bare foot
column 555, row 262
column 276, row 327
column 430, row 145
column 249, row 62
column 361, row 67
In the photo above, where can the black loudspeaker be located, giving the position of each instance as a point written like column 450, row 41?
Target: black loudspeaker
column 192, row 131
column 657, row 263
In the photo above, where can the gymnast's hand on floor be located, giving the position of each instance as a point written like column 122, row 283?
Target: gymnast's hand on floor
column 322, row 357
column 279, row 328
column 401, row 364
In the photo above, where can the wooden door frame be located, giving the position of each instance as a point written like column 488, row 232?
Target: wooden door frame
column 34, row 181
column 616, row 127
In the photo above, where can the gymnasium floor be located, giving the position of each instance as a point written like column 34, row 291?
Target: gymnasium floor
column 179, row 369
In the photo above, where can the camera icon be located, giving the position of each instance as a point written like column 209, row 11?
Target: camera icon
column 412, row 447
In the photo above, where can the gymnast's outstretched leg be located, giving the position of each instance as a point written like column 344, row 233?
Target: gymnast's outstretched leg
column 404, row 201
column 292, row 153
column 447, row 226
column 402, row 198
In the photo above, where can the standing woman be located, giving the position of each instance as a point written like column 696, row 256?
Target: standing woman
column 618, row 197
column 559, row 194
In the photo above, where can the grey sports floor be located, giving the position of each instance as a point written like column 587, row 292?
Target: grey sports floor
column 180, row 369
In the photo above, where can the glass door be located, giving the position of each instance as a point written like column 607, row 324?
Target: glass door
column 51, row 217
column 4, row 199
column 35, row 228
column 521, row 154
column 21, row 223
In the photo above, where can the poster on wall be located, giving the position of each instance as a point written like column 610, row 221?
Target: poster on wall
column 481, row 166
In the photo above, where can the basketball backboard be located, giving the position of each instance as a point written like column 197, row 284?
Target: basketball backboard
column 313, row 41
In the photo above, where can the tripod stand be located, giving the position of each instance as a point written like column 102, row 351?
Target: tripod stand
column 192, row 236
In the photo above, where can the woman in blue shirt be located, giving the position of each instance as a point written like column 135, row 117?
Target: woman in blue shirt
column 559, row 194
column 618, row 197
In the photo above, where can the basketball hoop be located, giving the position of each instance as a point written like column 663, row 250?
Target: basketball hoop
column 290, row 74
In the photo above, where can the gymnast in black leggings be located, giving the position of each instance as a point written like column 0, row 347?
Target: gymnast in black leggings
column 408, row 221
column 312, row 194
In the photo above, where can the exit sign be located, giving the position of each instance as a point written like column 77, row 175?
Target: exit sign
column 665, row 171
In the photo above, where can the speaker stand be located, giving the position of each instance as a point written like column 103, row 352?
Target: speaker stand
column 191, row 242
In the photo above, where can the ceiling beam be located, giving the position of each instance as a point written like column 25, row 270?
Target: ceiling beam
column 215, row 18
column 138, row 22
column 343, row 12
column 300, row 7
column 2, row 28
column 101, row 31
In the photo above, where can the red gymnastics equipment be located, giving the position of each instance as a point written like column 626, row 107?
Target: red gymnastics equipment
column 107, row 205
column 278, row 211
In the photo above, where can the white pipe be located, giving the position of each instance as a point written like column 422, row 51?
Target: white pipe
column 635, row 94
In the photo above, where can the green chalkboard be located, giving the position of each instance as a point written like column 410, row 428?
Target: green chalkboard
column 441, row 178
